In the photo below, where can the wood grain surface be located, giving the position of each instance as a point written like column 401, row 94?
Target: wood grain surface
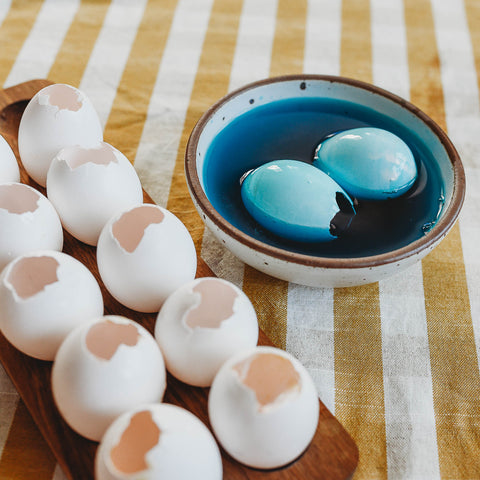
column 331, row 455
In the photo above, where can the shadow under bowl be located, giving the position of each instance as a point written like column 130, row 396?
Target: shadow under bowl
column 286, row 117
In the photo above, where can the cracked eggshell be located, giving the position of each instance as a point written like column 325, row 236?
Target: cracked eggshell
column 143, row 255
column 263, row 407
column 9, row 171
column 158, row 441
column 44, row 295
column 104, row 368
column 88, row 186
column 28, row 222
column 202, row 324
column 56, row 117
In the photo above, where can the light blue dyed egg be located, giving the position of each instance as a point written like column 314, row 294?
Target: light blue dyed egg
column 369, row 163
column 296, row 201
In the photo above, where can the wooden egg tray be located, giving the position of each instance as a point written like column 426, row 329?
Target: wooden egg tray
column 331, row 455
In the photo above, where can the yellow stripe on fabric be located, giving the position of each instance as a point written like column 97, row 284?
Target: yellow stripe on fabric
column 359, row 392
column 289, row 43
column 211, row 83
column 14, row 31
column 270, row 295
column 130, row 107
column 453, row 357
column 25, row 455
column 472, row 8
column 356, row 43
column 78, row 43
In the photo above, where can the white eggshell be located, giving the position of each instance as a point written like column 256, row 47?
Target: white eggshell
column 9, row 171
column 87, row 186
column 28, row 222
column 143, row 255
column 104, row 368
column 56, row 117
column 201, row 325
column 257, row 433
column 163, row 442
column 44, row 295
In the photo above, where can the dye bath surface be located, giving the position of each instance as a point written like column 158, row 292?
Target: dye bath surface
column 292, row 129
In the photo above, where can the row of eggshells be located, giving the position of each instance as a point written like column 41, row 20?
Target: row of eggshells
column 108, row 375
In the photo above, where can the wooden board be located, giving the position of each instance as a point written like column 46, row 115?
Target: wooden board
column 331, row 455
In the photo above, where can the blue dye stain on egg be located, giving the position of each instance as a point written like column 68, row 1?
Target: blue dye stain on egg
column 369, row 163
column 296, row 201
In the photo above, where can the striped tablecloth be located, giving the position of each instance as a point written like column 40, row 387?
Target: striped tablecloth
column 396, row 361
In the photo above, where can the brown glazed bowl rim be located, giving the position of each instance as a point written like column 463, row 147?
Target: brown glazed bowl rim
column 441, row 228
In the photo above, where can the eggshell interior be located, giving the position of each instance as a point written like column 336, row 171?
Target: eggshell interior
column 15, row 198
column 30, row 275
column 130, row 227
column 215, row 306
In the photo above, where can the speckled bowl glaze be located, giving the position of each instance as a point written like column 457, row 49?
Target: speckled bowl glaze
column 315, row 270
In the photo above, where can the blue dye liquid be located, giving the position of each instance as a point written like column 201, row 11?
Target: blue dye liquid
column 292, row 129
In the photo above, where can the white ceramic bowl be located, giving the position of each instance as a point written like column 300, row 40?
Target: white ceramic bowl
column 310, row 266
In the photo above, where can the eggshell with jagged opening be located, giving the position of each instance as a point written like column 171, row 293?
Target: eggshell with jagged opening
column 87, row 186
column 44, row 295
column 202, row 324
column 28, row 221
column 104, row 368
column 158, row 441
column 144, row 254
column 263, row 407
column 57, row 116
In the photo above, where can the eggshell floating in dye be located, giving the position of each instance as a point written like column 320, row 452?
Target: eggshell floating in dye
column 369, row 163
column 263, row 407
column 87, row 186
column 28, row 222
column 104, row 368
column 9, row 171
column 143, row 255
column 296, row 201
column 44, row 295
column 159, row 441
column 202, row 324
column 56, row 117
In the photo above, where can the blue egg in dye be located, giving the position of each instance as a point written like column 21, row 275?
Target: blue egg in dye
column 296, row 201
column 369, row 163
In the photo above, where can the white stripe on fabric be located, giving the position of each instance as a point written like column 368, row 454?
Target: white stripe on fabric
column 111, row 51
column 43, row 42
column 4, row 8
column 462, row 111
column 389, row 47
column 251, row 62
column 254, row 43
column 158, row 147
column 323, row 37
column 310, row 334
column 409, row 414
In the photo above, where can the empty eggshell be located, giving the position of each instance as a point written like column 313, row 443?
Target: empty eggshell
column 158, row 441
column 143, row 255
column 104, row 368
column 44, row 295
column 87, row 186
column 56, row 117
column 201, row 325
column 263, row 407
column 9, row 171
column 28, row 222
